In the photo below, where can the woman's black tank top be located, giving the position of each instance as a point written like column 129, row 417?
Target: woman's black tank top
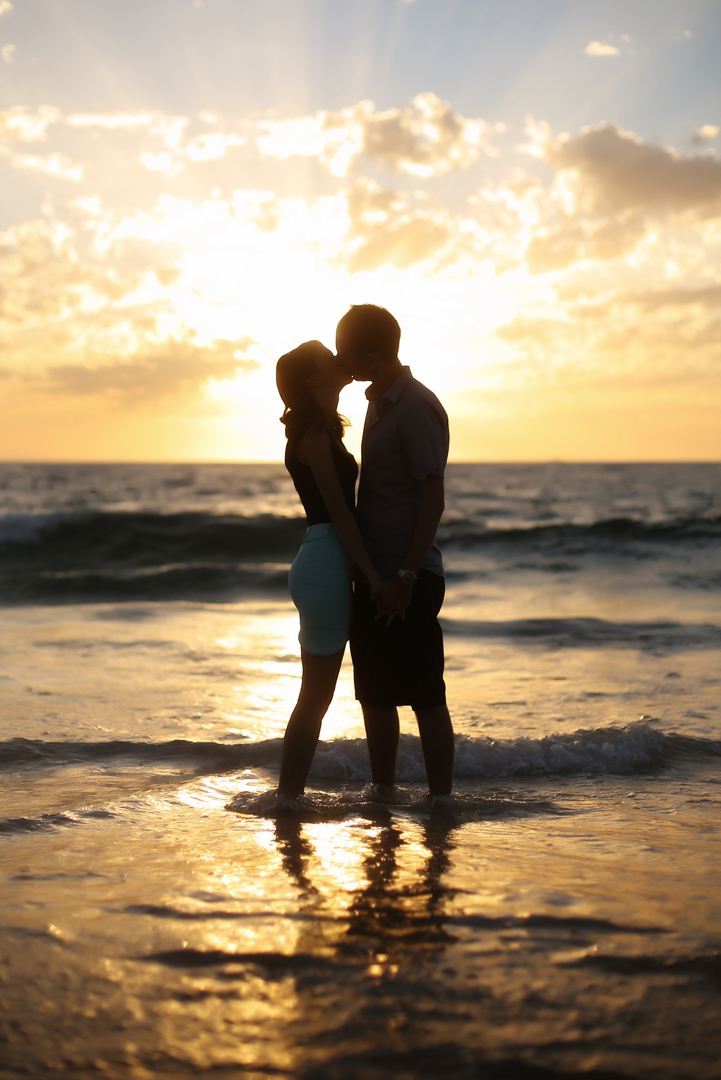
column 305, row 483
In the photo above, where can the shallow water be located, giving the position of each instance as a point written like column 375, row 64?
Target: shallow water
column 562, row 916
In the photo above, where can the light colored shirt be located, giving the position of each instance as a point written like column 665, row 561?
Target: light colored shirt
column 405, row 439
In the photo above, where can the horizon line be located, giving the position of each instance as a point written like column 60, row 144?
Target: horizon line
column 279, row 461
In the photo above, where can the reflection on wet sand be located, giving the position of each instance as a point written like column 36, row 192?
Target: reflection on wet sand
column 376, row 938
column 385, row 918
column 380, row 945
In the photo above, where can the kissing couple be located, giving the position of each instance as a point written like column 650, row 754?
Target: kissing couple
column 369, row 572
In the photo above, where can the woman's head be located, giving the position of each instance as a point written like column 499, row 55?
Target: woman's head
column 309, row 380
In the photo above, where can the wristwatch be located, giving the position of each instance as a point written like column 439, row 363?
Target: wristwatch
column 407, row 577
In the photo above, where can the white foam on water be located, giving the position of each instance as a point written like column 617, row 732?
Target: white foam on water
column 611, row 750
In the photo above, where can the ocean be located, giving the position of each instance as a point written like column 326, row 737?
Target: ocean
column 562, row 918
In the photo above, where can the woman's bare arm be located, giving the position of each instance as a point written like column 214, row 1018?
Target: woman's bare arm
column 315, row 448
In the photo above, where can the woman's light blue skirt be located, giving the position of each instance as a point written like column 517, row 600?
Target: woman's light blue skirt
column 320, row 583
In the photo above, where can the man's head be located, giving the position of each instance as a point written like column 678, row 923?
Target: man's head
column 367, row 340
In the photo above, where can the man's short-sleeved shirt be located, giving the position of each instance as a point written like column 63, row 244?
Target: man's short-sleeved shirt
column 405, row 439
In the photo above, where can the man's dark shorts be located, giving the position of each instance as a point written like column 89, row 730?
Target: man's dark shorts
column 400, row 664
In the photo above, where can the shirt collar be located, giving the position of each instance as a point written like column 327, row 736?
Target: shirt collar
column 394, row 391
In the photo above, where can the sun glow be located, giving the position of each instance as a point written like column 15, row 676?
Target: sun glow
column 558, row 291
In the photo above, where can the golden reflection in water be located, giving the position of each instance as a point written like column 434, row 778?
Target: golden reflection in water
column 268, row 688
column 369, row 903
column 356, row 938
column 392, row 908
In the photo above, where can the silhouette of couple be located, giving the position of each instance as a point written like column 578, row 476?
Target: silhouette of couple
column 370, row 572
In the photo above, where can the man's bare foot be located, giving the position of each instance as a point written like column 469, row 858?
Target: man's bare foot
column 267, row 804
column 383, row 793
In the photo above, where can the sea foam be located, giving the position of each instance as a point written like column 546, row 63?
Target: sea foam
column 611, row 750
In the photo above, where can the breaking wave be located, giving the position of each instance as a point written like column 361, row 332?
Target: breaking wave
column 343, row 764
column 589, row 633
column 128, row 556
column 109, row 556
column 610, row 750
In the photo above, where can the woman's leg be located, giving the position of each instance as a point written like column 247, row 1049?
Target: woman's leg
column 320, row 674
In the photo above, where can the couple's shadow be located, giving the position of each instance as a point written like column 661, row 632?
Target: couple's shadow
column 394, row 906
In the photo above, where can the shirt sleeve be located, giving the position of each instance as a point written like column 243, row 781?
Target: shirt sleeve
column 425, row 432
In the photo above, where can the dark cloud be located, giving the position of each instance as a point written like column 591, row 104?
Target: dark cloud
column 616, row 188
column 619, row 171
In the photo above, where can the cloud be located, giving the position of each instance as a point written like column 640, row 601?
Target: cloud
column 538, row 330
column 702, row 296
column 44, row 277
column 141, row 294
column 57, row 165
column 101, row 327
column 171, row 368
column 110, row 121
column 424, row 140
column 211, row 147
column 609, row 342
column 205, row 147
column 674, row 301
column 19, row 125
column 162, row 163
column 618, row 171
column 8, row 52
column 706, row 133
column 652, row 317
column 611, row 190
column 170, row 130
column 385, row 231
column 598, row 48
column 557, row 248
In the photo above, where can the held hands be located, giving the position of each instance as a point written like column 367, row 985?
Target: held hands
column 391, row 598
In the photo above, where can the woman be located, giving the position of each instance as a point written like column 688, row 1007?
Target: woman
column 324, row 473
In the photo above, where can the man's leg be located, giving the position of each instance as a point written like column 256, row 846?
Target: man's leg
column 436, row 732
column 383, row 734
column 370, row 648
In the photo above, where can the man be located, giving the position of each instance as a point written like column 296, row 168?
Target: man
column 396, row 640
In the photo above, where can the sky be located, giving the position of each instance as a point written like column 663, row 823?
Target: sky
column 189, row 188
